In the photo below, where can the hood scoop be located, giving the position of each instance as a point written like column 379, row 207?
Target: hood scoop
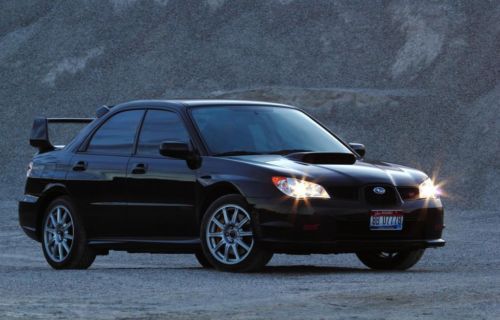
column 322, row 157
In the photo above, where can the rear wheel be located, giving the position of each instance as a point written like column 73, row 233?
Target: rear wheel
column 390, row 260
column 203, row 260
column 64, row 242
column 227, row 237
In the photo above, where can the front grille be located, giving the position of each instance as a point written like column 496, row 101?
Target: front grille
column 344, row 193
column 388, row 198
column 408, row 193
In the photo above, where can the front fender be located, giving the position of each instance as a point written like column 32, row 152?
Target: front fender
column 250, row 181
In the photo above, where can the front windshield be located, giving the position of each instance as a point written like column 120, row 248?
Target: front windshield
column 233, row 130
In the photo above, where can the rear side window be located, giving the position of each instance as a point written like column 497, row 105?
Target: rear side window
column 160, row 126
column 116, row 136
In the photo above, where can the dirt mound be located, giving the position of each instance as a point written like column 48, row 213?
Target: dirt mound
column 428, row 71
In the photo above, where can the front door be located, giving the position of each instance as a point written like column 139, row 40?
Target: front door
column 161, row 190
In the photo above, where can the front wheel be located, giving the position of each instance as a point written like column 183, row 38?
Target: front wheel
column 390, row 260
column 64, row 242
column 227, row 237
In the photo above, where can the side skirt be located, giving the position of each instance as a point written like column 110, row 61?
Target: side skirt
column 146, row 245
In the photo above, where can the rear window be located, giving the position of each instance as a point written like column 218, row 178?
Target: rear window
column 117, row 135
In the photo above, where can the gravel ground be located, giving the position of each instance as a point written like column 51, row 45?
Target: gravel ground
column 461, row 280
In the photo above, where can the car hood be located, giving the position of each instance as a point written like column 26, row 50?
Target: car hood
column 361, row 172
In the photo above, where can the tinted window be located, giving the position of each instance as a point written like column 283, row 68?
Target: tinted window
column 160, row 126
column 117, row 135
column 262, row 129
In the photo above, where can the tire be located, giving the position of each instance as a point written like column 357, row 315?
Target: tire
column 390, row 261
column 64, row 241
column 227, row 236
column 202, row 260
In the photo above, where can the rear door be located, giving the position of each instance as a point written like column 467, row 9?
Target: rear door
column 161, row 190
column 97, row 175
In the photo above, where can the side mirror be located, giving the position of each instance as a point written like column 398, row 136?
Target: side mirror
column 181, row 150
column 175, row 149
column 359, row 148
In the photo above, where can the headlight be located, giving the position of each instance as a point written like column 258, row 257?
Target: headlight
column 300, row 189
column 427, row 189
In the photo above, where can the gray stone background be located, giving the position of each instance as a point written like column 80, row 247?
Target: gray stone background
column 417, row 81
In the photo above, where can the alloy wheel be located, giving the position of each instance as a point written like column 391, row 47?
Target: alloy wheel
column 58, row 233
column 229, row 234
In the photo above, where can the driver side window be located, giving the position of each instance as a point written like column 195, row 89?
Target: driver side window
column 160, row 126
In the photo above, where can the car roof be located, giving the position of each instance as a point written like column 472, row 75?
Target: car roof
column 197, row 102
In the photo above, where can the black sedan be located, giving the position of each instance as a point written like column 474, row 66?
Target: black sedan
column 230, row 181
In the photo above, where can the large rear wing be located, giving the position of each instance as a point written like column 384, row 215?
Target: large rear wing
column 39, row 137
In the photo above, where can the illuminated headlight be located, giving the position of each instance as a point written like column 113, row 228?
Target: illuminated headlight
column 427, row 189
column 300, row 189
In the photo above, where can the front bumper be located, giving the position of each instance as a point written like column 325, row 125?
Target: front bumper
column 347, row 246
column 328, row 226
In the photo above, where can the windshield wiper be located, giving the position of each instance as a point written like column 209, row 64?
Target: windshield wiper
column 236, row 153
column 288, row 151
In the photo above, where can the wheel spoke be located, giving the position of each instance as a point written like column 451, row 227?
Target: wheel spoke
column 246, row 234
column 242, row 244
column 242, row 222
column 235, row 216
column 65, row 215
column 219, row 244
column 58, row 215
column 218, row 224
column 226, row 219
column 52, row 220
column 68, row 225
column 235, row 251
column 50, row 230
column 53, row 249
column 68, row 236
column 215, row 235
column 65, row 245
column 60, row 249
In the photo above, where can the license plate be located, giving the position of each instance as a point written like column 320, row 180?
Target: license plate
column 386, row 220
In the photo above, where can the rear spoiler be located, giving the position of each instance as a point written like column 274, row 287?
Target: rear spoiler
column 39, row 137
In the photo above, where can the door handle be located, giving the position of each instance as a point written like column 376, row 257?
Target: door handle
column 140, row 168
column 80, row 166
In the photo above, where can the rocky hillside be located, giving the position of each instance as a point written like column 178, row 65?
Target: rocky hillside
column 417, row 82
